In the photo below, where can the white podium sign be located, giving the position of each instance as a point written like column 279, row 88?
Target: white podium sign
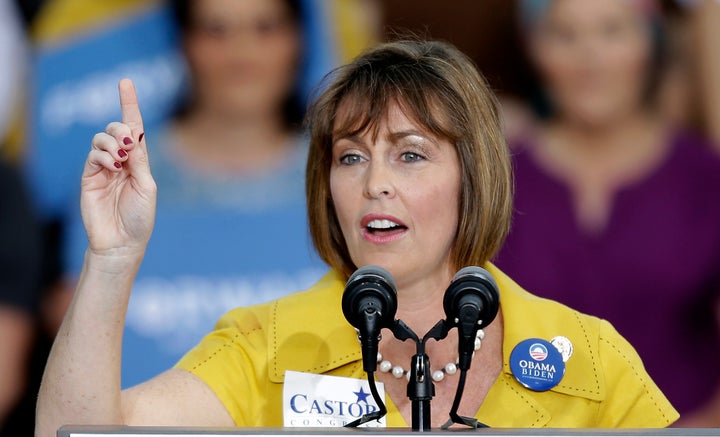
column 145, row 431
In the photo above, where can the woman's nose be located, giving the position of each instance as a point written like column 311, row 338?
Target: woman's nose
column 379, row 180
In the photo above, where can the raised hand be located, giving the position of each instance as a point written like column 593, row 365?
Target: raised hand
column 118, row 193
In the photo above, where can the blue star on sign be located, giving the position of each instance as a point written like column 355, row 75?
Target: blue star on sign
column 361, row 395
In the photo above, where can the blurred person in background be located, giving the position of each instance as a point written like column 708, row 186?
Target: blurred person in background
column 20, row 241
column 690, row 91
column 20, row 265
column 617, row 212
column 230, row 173
column 706, row 36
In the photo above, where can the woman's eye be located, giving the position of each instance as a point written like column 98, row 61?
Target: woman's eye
column 411, row 157
column 562, row 36
column 350, row 159
column 213, row 29
column 610, row 30
column 270, row 26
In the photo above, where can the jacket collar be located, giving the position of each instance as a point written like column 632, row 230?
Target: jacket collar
column 528, row 316
column 328, row 341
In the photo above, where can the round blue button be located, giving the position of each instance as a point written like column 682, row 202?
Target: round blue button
column 537, row 364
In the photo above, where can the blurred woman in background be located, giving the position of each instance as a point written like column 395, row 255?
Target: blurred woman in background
column 230, row 173
column 616, row 213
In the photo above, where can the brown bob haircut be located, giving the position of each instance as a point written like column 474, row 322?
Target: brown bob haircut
column 441, row 89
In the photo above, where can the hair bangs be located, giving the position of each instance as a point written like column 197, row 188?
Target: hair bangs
column 367, row 97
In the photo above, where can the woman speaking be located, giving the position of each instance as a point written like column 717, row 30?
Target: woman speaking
column 407, row 170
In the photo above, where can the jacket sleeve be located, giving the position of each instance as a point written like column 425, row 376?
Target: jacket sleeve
column 232, row 361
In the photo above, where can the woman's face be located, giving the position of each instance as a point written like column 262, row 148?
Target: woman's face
column 243, row 54
column 594, row 57
column 396, row 197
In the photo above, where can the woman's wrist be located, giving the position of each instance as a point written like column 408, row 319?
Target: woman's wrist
column 116, row 262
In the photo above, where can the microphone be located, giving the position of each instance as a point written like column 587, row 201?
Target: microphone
column 471, row 302
column 369, row 303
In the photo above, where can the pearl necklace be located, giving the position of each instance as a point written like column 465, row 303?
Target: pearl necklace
column 438, row 375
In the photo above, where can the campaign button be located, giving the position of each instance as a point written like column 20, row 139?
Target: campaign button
column 537, row 364
column 564, row 345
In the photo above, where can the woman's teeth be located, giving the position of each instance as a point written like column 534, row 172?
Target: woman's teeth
column 382, row 224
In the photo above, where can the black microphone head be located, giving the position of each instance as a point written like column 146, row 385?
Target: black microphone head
column 475, row 284
column 370, row 288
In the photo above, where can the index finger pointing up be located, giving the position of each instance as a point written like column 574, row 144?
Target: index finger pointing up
column 129, row 105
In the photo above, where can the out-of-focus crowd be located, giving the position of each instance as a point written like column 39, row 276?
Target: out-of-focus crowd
column 611, row 109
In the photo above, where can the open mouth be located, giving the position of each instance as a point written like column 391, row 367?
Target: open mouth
column 381, row 227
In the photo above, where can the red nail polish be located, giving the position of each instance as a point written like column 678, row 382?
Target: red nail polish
column 141, row 136
column 127, row 140
column 122, row 153
column 117, row 165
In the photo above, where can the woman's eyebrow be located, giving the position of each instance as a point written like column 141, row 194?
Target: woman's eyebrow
column 352, row 138
column 398, row 135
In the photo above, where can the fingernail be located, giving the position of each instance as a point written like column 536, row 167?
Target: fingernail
column 117, row 165
column 141, row 136
column 122, row 153
column 127, row 140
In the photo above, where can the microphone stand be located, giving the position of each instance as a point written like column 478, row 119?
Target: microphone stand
column 420, row 389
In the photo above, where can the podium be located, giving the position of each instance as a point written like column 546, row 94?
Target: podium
column 145, row 431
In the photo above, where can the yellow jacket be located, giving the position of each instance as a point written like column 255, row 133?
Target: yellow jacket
column 605, row 383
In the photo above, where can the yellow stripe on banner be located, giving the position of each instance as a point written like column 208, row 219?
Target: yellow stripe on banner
column 61, row 19
column 357, row 26
column 12, row 147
